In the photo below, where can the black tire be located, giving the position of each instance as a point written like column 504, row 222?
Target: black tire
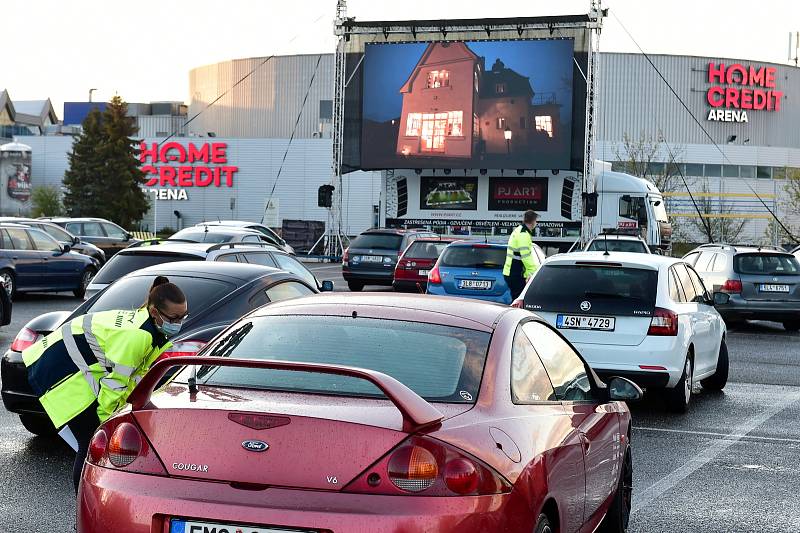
column 86, row 279
column 9, row 282
column 355, row 286
column 543, row 525
column 619, row 514
column 719, row 378
column 39, row 425
column 734, row 322
column 680, row 396
column 792, row 325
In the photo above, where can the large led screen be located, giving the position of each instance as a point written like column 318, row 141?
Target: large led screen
column 473, row 104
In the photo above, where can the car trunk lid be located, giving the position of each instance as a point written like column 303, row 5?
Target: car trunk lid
column 768, row 276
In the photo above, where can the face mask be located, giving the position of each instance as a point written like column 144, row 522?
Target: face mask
column 169, row 329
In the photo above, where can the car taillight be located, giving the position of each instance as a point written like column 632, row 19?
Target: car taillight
column 425, row 466
column 126, row 448
column 346, row 255
column 434, row 277
column 402, row 264
column 519, row 304
column 24, row 339
column 663, row 323
column 182, row 348
column 733, row 286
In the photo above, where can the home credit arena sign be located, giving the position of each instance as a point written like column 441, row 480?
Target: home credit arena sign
column 182, row 167
column 737, row 89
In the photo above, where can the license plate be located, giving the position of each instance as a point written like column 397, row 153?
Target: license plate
column 372, row 258
column 602, row 323
column 774, row 288
column 192, row 526
column 475, row 284
column 424, row 272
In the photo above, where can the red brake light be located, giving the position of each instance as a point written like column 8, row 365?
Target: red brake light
column 733, row 286
column 434, row 277
column 127, row 447
column 461, row 476
column 663, row 323
column 97, row 446
column 183, row 348
column 346, row 255
column 24, row 339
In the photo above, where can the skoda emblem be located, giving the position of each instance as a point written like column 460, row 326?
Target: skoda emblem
column 774, row 279
column 585, row 306
column 475, row 273
column 255, row 445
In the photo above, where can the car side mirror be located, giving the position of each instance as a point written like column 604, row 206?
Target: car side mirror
column 721, row 298
column 65, row 248
column 327, row 286
column 623, row 390
column 76, row 240
column 128, row 237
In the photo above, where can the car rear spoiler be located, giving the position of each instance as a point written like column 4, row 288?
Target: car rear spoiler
column 417, row 413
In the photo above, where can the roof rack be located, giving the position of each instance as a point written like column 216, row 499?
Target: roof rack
column 152, row 242
column 737, row 246
column 718, row 245
column 232, row 245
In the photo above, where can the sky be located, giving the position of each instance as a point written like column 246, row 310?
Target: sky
column 143, row 50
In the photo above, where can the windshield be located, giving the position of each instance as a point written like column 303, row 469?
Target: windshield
column 130, row 293
column 474, row 257
column 384, row 241
column 122, row 264
column 202, row 236
column 616, row 245
column 452, row 358
column 609, row 290
column 766, row 264
column 425, row 250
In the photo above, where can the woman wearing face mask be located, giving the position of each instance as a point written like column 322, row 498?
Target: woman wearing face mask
column 84, row 371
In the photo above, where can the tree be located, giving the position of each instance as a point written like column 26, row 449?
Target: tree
column 46, row 201
column 104, row 178
column 645, row 157
column 715, row 222
column 786, row 233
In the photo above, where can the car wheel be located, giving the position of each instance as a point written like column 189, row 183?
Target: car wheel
column 792, row 325
column 734, row 322
column 678, row 397
column 719, row 378
column 619, row 514
column 8, row 282
column 543, row 525
column 355, row 286
column 86, row 279
column 38, row 425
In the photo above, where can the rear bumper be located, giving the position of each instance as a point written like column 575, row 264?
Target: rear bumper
column 407, row 285
column 16, row 393
column 504, row 298
column 370, row 277
column 739, row 308
column 145, row 504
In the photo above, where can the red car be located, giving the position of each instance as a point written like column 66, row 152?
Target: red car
column 358, row 412
column 411, row 272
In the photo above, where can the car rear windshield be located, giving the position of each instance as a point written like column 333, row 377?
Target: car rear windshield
column 130, row 293
column 439, row 363
column 616, row 245
column 474, row 257
column 202, row 236
column 122, row 264
column 425, row 250
column 766, row 264
column 384, row 241
column 608, row 289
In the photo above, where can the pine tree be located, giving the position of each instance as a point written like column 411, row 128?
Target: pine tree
column 104, row 179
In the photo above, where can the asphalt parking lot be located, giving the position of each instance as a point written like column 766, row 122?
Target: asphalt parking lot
column 730, row 465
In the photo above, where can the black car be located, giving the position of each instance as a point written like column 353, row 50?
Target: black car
column 159, row 251
column 61, row 235
column 218, row 293
column 372, row 256
column 98, row 231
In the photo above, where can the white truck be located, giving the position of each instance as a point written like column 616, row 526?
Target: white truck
column 491, row 202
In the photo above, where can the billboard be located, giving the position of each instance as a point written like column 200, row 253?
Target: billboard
column 448, row 193
column 469, row 104
column 15, row 177
column 517, row 194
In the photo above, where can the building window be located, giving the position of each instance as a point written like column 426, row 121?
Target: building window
column 713, row 171
column 438, row 78
column 500, row 88
column 522, row 123
column 693, row 169
column 501, row 123
column 763, row 173
column 545, row 123
column 730, row 171
column 413, row 124
column 747, row 171
column 455, row 126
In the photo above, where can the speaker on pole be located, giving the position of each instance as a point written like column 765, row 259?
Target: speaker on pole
column 325, row 196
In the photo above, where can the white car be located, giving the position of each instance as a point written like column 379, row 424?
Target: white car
column 273, row 237
column 644, row 317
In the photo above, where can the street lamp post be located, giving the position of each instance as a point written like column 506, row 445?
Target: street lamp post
column 507, row 135
column 90, row 93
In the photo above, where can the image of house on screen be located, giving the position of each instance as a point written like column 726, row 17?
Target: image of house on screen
column 454, row 108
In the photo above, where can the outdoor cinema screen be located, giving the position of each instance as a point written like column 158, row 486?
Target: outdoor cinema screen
column 472, row 104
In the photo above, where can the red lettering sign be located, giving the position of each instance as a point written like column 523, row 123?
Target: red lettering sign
column 186, row 174
column 754, row 89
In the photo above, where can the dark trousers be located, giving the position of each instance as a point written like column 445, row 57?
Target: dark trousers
column 515, row 279
column 83, row 427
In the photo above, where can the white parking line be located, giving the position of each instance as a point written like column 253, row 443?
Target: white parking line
column 720, row 435
column 707, row 455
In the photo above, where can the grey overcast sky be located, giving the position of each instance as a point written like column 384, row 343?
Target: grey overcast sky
column 144, row 49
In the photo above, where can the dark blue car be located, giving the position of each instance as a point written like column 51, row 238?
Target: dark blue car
column 31, row 260
column 471, row 270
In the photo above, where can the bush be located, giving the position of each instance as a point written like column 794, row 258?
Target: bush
column 46, row 201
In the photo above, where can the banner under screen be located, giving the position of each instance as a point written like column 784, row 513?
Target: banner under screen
column 473, row 104
column 517, row 194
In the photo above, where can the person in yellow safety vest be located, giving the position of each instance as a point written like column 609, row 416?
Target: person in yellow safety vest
column 520, row 265
column 84, row 371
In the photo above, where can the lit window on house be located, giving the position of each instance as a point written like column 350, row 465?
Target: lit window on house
column 455, row 127
column 501, row 123
column 413, row 124
column 545, row 123
column 438, row 78
column 500, row 88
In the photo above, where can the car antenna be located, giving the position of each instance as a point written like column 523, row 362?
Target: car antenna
column 605, row 241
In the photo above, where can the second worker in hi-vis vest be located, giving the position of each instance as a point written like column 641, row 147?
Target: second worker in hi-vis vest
column 84, row 371
column 520, row 265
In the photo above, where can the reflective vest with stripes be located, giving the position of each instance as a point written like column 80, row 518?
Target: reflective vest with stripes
column 518, row 253
column 99, row 356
